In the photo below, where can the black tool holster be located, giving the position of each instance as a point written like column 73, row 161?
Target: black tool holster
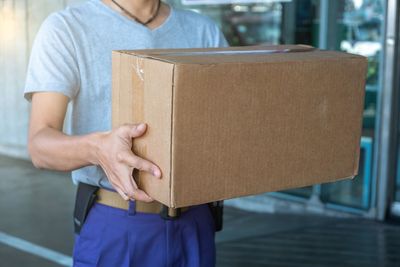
column 217, row 211
column 85, row 198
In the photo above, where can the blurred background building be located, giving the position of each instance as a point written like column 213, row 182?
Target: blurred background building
column 365, row 27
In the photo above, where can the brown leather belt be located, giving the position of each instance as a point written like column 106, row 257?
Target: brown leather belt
column 113, row 199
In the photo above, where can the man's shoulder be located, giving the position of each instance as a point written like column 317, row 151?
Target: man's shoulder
column 194, row 18
column 200, row 27
column 73, row 14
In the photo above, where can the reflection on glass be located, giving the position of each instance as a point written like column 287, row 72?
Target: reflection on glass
column 253, row 24
column 300, row 192
column 347, row 192
column 362, row 22
column 244, row 24
column 354, row 193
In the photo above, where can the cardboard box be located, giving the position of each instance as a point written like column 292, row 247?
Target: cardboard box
column 225, row 123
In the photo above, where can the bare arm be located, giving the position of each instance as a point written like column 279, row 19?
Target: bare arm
column 50, row 148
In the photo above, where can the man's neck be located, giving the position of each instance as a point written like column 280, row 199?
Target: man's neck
column 141, row 9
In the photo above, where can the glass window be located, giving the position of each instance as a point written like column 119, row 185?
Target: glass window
column 359, row 29
column 300, row 192
column 244, row 24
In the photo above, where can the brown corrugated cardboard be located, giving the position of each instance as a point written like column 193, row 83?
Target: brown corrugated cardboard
column 230, row 122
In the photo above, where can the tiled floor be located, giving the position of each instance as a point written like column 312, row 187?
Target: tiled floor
column 312, row 242
column 37, row 206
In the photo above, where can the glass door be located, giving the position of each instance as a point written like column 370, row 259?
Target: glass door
column 358, row 26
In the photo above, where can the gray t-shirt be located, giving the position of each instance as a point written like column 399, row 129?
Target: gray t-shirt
column 72, row 55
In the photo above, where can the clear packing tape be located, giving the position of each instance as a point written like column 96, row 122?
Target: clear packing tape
column 299, row 48
column 139, row 59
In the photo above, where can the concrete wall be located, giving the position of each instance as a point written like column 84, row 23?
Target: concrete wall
column 19, row 22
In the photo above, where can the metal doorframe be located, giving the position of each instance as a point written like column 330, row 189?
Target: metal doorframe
column 385, row 144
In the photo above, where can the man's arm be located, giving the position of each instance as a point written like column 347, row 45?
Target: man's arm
column 50, row 148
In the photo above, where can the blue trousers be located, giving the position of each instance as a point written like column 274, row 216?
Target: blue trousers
column 113, row 237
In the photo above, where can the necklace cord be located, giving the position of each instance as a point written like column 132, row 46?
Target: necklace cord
column 134, row 17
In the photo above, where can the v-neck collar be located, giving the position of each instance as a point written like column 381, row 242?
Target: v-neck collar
column 161, row 28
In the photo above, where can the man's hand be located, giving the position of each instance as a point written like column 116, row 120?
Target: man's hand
column 115, row 156
column 51, row 149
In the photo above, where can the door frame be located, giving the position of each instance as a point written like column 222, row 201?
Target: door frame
column 388, row 107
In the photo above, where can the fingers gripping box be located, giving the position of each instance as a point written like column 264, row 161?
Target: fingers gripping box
column 230, row 122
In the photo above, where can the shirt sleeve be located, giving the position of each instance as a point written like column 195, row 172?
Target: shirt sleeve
column 218, row 37
column 53, row 63
column 222, row 42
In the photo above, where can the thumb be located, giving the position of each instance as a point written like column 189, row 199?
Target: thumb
column 137, row 130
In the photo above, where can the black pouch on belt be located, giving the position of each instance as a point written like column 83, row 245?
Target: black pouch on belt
column 217, row 211
column 85, row 197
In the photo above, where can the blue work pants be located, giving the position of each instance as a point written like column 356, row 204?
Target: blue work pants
column 113, row 237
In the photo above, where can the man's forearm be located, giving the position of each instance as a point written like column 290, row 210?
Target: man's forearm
column 52, row 149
